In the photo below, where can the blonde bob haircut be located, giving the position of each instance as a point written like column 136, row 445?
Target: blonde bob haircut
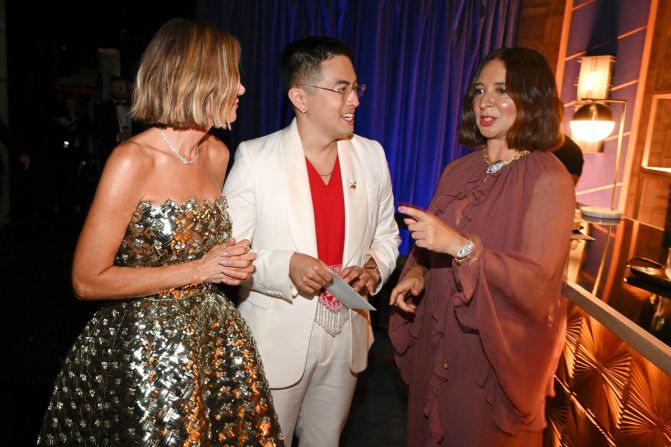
column 188, row 72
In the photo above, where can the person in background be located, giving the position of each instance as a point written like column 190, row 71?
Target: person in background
column 313, row 198
column 8, row 152
column 112, row 123
column 480, row 316
column 168, row 360
column 570, row 154
column 69, row 152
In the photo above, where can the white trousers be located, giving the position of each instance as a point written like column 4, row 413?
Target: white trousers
column 316, row 407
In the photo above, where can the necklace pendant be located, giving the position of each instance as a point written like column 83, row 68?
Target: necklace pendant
column 496, row 167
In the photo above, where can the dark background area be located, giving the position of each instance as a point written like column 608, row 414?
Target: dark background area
column 46, row 41
column 51, row 41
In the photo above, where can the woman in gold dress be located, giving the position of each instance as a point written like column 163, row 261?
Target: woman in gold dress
column 168, row 361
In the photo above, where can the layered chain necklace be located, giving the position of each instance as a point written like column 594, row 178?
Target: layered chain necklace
column 496, row 166
column 180, row 157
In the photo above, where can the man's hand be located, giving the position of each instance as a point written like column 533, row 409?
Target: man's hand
column 308, row 274
column 362, row 277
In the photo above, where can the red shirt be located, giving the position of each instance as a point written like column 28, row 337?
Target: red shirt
column 329, row 209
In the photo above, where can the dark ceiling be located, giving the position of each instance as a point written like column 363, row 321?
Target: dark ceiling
column 51, row 39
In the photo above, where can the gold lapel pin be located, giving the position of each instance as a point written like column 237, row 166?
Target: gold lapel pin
column 352, row 185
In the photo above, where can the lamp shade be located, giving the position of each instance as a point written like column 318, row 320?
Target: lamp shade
column 592, row 122
column 594, row 77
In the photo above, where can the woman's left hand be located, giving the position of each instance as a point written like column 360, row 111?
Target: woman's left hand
column 237, row 262
column 430, row 232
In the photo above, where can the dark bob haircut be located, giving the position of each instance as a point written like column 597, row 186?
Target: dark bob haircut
column 301, row 60
column 531, row 85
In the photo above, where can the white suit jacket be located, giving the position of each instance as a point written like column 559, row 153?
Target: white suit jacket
column 271, row 205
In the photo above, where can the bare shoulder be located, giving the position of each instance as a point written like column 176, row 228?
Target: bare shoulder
column 218, row 155
column 128, row 170
column 131, row 158
column 216, row 147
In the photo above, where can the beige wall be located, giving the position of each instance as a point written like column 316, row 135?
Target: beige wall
column 648, row 194
column 592, row 407
column 540, row 27
column 541, row 23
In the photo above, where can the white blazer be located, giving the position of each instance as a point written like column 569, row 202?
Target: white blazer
column 270, row 204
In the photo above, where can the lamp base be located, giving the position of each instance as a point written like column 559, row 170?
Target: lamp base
column 600, row 212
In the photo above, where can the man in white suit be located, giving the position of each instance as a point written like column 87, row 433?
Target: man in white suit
column 310, row 197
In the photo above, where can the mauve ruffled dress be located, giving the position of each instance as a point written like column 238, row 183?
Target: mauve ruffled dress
column 480, row 353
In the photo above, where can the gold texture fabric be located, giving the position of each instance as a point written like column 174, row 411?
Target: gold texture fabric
column 179, row 368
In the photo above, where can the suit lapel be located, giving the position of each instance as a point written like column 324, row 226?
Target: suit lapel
column 356, row 204
column 300, row 213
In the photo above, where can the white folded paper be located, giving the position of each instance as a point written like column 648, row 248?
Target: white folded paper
column 345, row 293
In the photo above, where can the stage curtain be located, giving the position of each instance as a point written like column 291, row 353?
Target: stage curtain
column 416, row 58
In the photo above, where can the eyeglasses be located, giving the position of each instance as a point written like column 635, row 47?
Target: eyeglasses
column 344, row 91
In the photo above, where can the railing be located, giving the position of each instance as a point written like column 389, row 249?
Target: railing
column 654, row 350
column 613, row 383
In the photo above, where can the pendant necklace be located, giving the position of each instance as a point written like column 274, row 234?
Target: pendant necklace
column 180, row 157
column 496, row 166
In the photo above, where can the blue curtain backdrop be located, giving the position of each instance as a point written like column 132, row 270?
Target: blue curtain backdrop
column 415, row 56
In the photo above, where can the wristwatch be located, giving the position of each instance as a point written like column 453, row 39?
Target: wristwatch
column 373, row 268
column 465, row 251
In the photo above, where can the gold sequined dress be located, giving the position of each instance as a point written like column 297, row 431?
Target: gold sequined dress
column 179, row 368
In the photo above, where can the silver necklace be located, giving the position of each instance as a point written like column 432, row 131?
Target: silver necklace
column 496, row 166
column 182, row 158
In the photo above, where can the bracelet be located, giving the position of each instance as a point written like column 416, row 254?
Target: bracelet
column 464, row 252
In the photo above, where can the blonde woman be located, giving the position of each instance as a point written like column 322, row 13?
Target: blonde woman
column 168, row 360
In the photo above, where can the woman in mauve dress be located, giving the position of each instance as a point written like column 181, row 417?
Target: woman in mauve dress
column 480, row 317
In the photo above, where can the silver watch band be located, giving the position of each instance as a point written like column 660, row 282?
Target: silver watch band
column 465, row 251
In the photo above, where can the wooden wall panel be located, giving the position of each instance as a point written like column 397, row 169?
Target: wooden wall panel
column 647, row 198
column 541, row 26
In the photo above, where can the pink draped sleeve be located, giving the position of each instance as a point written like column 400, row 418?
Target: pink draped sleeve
column 514, row 298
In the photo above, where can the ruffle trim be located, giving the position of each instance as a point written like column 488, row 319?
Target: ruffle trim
column 477, row 186
column 404, row 330
column 440, row 372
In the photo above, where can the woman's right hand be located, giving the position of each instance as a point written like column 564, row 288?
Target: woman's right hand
column 229, row 263
column 413, row 284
